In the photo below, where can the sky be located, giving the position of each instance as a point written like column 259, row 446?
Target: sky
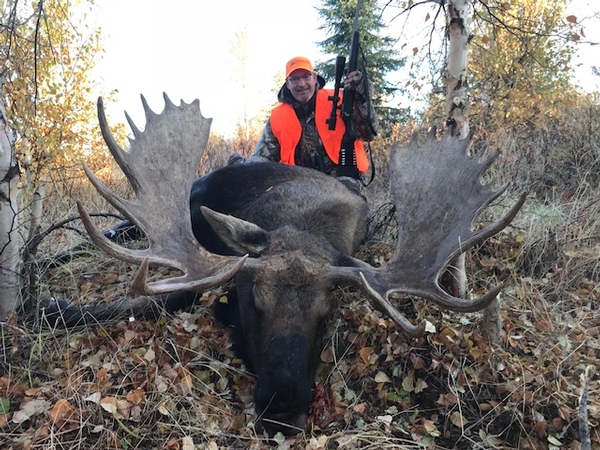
column 187, row 48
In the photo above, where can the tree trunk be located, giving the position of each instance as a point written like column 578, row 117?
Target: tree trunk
column 9, row 242
column 460, row 13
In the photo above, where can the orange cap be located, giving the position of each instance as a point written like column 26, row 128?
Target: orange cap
column 298, row 62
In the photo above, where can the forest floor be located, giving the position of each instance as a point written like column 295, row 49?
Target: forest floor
column 175, row 383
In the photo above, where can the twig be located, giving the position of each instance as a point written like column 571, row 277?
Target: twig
column 584, row 429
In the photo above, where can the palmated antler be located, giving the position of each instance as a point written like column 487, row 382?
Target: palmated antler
column 161, row 165
column 438, row 193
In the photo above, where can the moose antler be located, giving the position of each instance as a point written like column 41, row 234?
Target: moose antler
column 437, row 191
column 161, row 166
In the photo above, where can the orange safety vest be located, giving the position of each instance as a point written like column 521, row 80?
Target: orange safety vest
column 287, row 129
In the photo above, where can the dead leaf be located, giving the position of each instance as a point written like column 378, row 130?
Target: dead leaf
column 365, row 354
column 187, row 443
column 420, row 385
column 149, row 355
column 136, row 396
column 429, row 426
column 62, row 412
column 571, row 19
column 381, row 377
column 95, row 397
column 109, row 404
column 29, row 409
column 327, row 355
column 408, row 383
column 457, row 419
column 360, row 407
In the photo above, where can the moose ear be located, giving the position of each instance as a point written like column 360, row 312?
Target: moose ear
column 242, row 236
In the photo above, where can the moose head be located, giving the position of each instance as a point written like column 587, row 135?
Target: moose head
column 287, row 235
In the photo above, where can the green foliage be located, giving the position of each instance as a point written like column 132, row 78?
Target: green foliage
column 377, row 56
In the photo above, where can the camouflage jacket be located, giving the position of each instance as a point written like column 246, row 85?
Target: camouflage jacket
column 310, row 151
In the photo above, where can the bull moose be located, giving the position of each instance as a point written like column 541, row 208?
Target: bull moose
column 286, row 235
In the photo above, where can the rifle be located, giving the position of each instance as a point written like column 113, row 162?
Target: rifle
column 347, row 160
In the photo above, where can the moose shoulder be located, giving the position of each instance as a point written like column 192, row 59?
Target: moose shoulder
column 286, row 235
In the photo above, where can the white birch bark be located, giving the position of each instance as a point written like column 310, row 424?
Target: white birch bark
column 460, row 14
column 9, row 242
column 459, row 18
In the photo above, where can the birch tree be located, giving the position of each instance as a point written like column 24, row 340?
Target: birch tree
column 48, row 120
column 9, row 243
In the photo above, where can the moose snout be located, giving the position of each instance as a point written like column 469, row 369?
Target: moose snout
column 284, row 386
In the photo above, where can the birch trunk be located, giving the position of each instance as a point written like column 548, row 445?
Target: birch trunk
column 460, row 13
column 9, row 242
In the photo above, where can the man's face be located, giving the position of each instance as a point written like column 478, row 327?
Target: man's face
column 302, row 84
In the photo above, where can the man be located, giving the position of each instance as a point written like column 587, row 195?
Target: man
column 297, row 131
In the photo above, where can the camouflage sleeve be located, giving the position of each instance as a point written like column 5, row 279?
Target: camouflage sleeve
column 365, row 119
column 268, row 146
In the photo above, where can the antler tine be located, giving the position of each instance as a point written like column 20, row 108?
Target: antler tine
column 438, row 194
column 161, row 166
column 395, row 315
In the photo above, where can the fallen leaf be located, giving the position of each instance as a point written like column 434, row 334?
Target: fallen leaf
column 457, row 419
column 31, row 408
column 94, row 398
column 109, row 404
column 365, row 354
column 327, row 355
column 63, row 412
column 381, row 377
column 187, row 443
column 136, row 396
column 408, row 383
column 420, row 385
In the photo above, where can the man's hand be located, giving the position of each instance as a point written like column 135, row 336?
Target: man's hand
column 354, row 81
